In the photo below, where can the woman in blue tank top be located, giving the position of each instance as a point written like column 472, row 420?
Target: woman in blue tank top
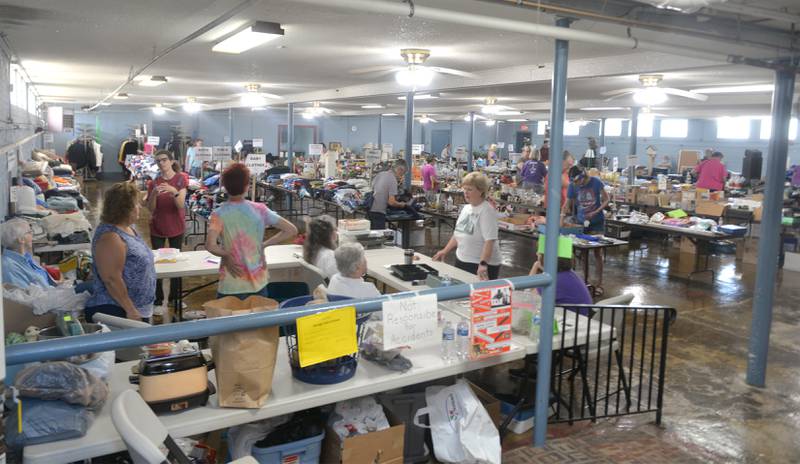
column 124, row 269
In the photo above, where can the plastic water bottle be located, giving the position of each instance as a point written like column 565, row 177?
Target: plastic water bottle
column 462, row 339
column 536, row 325
column 448, row 342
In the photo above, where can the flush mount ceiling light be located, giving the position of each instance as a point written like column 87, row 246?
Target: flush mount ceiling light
column 159, row 110
column 251, row 36
column 422, row 96
column 737, row 89
column 154, row 81
column 191, row 105
column 414, row 75
column 121, row 96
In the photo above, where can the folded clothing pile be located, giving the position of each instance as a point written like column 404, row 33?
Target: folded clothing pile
column 65, row 225
column 358, row 417
column 66, row 192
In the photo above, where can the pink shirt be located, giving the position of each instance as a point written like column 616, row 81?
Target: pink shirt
column 711, row 174
column 428, row 173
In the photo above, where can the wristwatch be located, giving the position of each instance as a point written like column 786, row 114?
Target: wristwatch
column 484, row 263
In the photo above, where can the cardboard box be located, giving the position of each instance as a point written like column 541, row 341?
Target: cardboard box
column 687, row 246
column 515, row 222
column 649, row 199
column 381, row 447
column 17, row 317
column 489, row 402
column 684, row 265
column 710, row 208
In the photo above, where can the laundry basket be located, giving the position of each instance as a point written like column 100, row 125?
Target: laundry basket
column 328, row 372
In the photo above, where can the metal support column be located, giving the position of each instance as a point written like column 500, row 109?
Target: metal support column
column 770, row 227
column 632, row 150
column 380, row 132
column 230, row 126
column 557, row 114
column 409, row 134
column 290, row 138
column 602, row 143
column 470, row 166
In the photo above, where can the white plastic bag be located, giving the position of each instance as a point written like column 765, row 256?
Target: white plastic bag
column 461, row 429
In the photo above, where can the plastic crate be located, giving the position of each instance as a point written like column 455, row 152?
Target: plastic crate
column 306, row 451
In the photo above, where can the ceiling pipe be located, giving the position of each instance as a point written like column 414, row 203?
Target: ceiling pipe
column 221, row 19
column 757, row 12
column 523, row 27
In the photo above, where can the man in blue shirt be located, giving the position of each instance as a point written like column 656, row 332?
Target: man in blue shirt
column 587, row 197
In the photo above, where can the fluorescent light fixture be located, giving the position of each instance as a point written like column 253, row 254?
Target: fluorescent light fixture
column 649, row 96
column 159, row 110
column 105, row 104
column 373, row 107
column 604, row 108
column 191, row 105
column 737, row 89
column 422, row 96
column 251, row 36
column 258, row 108
column 154, row 81
column 390, row 114
column 516, row 120
column 414, row 76
column 121, row 96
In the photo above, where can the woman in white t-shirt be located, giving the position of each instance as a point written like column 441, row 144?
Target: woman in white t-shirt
column 320, row 242
column 475, row 236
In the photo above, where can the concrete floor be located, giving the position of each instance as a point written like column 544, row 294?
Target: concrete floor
column 711, row 414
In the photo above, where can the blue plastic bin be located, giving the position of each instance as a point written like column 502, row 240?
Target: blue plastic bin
column 304, row 451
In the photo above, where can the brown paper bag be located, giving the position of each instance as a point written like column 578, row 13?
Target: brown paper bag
column 244, row 362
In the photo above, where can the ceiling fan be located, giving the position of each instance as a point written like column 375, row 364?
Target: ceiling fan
column 490, row 107
column 316, row 110
column 414, row 73
column 425, row 119
column 650, row 93
column 254, row 97
column 157, row 109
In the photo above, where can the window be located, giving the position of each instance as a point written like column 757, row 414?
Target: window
column 644, row 127
column 541, row 127
column 733, row 128
column 766, row 128
column 675, row 128
column 613, row 127
column 573, row 127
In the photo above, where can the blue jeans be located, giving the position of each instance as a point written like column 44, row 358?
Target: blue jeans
column 244, row 296
column 195, row 171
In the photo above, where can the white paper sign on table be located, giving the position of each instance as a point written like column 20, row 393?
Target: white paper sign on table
column 153, row 140
column 221, row 153
column 258, row 143
column 315, row 149
column 203, row 154
column 417, row 148
column 257, row 163
column 410, row 322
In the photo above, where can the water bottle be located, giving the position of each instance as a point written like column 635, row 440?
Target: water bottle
column 462, row 339
column 536, row 323
column 448, row 342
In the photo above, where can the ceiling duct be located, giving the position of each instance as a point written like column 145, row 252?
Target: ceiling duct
column 684, row 6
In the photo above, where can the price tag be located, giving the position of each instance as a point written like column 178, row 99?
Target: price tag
column 490, row 331
column 315, row 149
column 258, row 143
column 615, row 163
column 417, row 148
column 387, row 148
column 203, row 154
column 410, row 322
column 257, row 163
column 221, row 153
column 153, row 140
column 325, row 336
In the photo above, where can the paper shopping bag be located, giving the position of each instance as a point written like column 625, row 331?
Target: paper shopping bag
column 244, row 362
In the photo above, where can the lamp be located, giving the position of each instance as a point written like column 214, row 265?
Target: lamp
column 414, row 76
column 251, row 36
column 154, row 81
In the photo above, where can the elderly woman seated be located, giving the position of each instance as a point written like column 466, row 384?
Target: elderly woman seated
column 352, row 266
column 19, row 267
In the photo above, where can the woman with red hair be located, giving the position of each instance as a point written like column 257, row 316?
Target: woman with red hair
column 236, row 234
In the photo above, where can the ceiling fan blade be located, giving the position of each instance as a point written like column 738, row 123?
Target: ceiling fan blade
column 619, row 92
column 373, row 69
column 685, row 94
column 454, row 72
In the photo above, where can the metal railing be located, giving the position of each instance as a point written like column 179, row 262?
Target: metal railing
column 94, row 343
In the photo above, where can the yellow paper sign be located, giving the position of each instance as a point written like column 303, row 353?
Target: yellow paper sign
column 325, row 336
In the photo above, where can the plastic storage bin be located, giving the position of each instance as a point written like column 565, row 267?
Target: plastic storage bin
column 403, row 406
column 304, row 451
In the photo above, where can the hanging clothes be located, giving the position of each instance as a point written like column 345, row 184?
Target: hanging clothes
column 81, row 154
column 128, row 147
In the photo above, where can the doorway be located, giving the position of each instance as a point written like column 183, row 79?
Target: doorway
column 439, row 139
column 303, row 137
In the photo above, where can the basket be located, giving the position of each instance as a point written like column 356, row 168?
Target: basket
column 328, row 372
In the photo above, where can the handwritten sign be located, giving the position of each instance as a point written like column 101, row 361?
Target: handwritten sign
column 221, row 153
column 490, row 323
column 315, row 149
column 258, row 143
column 410, row 321
column 256, row 163
column 203, row 154
column 325, row 336
column 417, row 148
column 153, row 140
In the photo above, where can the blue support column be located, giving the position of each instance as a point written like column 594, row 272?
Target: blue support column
column 557, row 114
column 290, row 138
column 770, row 226
column 409, row 134
column 470, row 161
column 230, row 126
column 632, row 149
column 380, row 132
column 602, row 142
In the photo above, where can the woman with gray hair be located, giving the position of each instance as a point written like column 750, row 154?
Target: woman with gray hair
column 19, row 267
column 352, row 266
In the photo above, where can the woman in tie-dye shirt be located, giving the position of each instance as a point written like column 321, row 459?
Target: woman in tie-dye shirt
column 236, row 234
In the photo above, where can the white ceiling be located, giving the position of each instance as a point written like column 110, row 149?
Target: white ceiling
column 79, row 50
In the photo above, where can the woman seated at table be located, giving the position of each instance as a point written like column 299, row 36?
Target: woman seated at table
column 475, row 236
column 349, row 281
column 570, row 288
column 236, row 234
column 319, row 245
column 124, row 270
